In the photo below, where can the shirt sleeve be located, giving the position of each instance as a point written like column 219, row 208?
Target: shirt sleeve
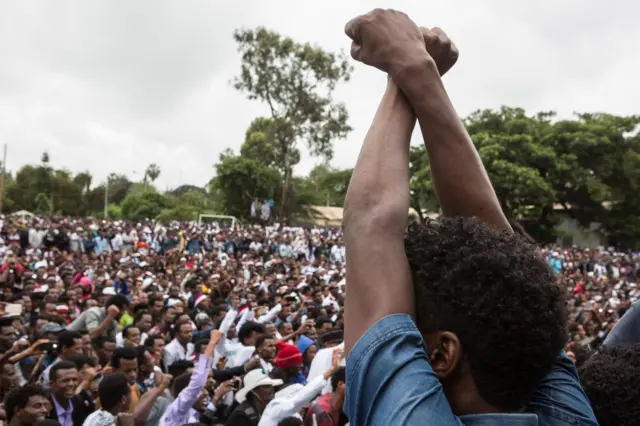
column 168, row 356
column 92, row 320
column 390, row 380
column 559, row 396
column 192, row 392
column 293, row 404
column 627, row 330
column 271, row 315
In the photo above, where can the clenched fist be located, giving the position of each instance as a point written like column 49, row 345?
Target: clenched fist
column 440, row 47
column 113, row 311
column 386, row 39
column 389, row 40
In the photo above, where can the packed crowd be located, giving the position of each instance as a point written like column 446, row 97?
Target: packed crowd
column 185, row 323
column 601, row 286
column 170, row 324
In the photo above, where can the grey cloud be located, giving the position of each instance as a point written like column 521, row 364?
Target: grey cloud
column 112, row 86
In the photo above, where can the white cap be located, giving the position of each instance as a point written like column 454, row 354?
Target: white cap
column 255, row 379
column 147, row 282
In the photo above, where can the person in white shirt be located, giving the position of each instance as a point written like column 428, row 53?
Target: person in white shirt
column 290, row 401
column 180, row 347
column 142, row 320
column 337, row 253
column 265, row 211
column 117, row 243
column 247, row 336
column 255, row 246
column 76, row 244
column 321, row 363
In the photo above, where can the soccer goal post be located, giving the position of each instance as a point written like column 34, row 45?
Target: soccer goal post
column 220, row 221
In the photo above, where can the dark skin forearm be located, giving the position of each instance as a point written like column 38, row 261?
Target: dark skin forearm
column 460, row 180
column 376, row 212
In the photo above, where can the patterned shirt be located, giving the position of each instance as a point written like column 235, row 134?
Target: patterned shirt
column 325, row 414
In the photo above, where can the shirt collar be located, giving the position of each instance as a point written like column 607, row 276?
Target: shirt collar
column 59, row 408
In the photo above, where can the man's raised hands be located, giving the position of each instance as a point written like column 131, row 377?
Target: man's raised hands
column 386, row 39
column 390, row 41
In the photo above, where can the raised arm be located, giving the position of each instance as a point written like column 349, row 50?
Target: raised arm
column 96, row 329
column 460, row 180
column 375, row 217
column 189, row 395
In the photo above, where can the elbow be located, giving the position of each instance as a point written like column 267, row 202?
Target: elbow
column 381, row 218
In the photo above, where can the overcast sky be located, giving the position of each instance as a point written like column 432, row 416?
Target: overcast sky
column 113, row 85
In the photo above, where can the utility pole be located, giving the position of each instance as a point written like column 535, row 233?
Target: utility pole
column 106, row 198
column 2, row 176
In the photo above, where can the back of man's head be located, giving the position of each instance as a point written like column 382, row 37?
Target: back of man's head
column 338, row 377
column 611, row 380
column 111, row 389
column 119, row 300
column 181, row 382
column 499, row 298
column 179, row 367
column 248, row 329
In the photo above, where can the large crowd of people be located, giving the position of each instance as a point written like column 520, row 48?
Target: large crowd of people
column 448, row 322
column 174, row 324
column 185, row 323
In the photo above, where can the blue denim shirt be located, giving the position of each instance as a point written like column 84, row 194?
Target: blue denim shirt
column 390, row 382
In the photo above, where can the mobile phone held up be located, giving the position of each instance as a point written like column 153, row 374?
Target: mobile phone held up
column 49, row 347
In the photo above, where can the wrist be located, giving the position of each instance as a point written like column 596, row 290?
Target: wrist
column 407, row 74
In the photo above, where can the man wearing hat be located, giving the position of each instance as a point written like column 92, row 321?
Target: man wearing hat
column 288, row 364
column 254, row 396
column 289, row 401
column 50, row 331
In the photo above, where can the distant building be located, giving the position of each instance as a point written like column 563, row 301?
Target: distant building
column 571, row 233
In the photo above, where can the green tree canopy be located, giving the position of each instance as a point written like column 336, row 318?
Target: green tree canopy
column 586, row 168
column 145, row 205
column 240, row 180
column 296, row 81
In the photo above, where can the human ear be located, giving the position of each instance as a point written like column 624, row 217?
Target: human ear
column 444, row 352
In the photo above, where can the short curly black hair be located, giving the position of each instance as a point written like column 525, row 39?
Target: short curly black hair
column 611, row 380
column 497, row 295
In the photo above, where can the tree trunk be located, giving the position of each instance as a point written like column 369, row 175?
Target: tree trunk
column 285, row 194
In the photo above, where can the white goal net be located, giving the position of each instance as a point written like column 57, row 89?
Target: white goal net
column 217, row 221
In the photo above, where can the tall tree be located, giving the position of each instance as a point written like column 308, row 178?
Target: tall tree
column 83, row 179
column 296, row 81
column 259, row 143
column 152, row 173
column 145, row 205
column 240, row 180
column 330, row 184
